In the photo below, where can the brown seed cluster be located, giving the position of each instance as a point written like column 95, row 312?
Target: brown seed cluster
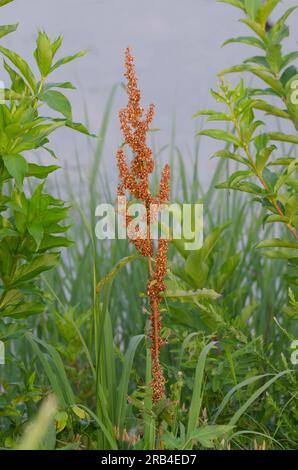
column 135, row 178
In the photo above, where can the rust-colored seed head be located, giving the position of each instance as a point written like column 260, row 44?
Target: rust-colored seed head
column 134, row 178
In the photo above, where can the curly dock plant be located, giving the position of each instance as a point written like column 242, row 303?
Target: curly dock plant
column 270, row 176
column 31, row 220
column 135, row 179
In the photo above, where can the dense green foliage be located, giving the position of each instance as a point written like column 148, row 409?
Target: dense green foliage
column 30, row 219
column 228, row 319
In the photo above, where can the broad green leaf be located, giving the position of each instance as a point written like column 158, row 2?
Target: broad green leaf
column 10, row 28
column 226, row 270
column 50, row 242
column 232, row 156
column 66, row 85
column 39, row 264
column 197, row 265
column 265, row 10
column 270, row 109
column 249, row 40
column 263, row 156
column 39, row 171
column 260, row 73
column 10, row 297
column 77, row 126
column 274, row 57
column 43, row 53
column 289, row 58
column 254, row 26
column 280, row 137
column 4, row 2
column 58, row 102
column 234, row 179
column 22, row 66
column 17, row 167
column 206, row 435
column 7, row 232
column 221, row 135
column 278, row 27
column 252, row 7
column 276, row 242
column 79, row 412
column 22, row 310
column 61, row 419
column 66, row 60
column 36, row 231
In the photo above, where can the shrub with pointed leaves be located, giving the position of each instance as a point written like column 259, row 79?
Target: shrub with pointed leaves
column 269, row 175
column 31, row 222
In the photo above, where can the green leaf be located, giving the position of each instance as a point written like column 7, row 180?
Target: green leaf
column 77, row 126
column 280, row 137
column 249, row 40
column 43, row 53
column 205, row 435
column 39, row 171
column 232, row 156
column 56, row 45
column 265, row 10
column 260, row 73
column 234, row 3
column 32, row 269
column 50, row 242
column 17, row 167
column 279, row 25
column 68, row 59
column 22, row 66
column 9, row 28
column 234, row 179
column 61, row 418
column 58, row 102
column 197, row 263
column 4, row 2
column 254, row 26
column 197, row 395
column 36, row 137
column 254, row 397
column 22, row 310
column 270, row 109
column 7, row 232
column 263, row 156
column 66, row 85
column 221, row 135
column 118, row 267
column 276, row 242
column 252, row 7
column 282, row 253
column 36, row 231
column 124, row 381
column 289, row 58
column 79, row 412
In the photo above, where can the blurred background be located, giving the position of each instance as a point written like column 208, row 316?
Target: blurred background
column 178, row 54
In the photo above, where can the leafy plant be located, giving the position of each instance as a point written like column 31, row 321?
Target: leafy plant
column 270, row 174
column 31, row 220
